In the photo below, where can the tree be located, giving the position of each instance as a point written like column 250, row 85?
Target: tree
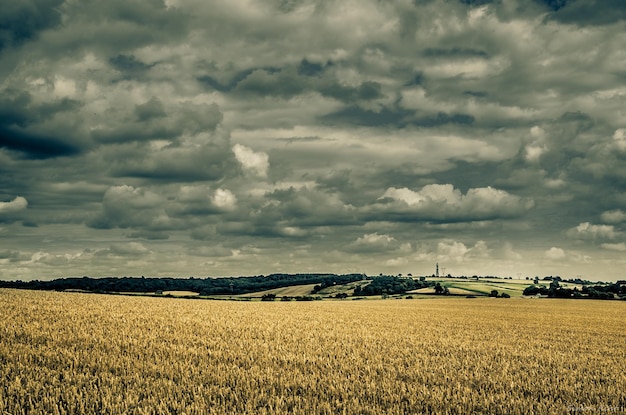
column 493, row 293
column 438, row 289
column 268, row 297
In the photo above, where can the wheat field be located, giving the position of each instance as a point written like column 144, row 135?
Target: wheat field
column 73, row 353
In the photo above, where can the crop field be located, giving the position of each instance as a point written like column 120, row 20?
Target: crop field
column 293, row 290
column 76, row 353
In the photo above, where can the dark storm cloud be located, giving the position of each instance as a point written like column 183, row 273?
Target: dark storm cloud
column 177, row 163
column 17, row 108
column 234, row 81
column 292, row 81
column 35, row 146
column 586, row 13
column 12, row 256
column 116, row 26
column 19, row 114
column 150, row 109
column 398, row 117
column 454, row 53
column 476, row 2
column 129, row 207
column 22, row 21
column 554, row 4
column 149, row 235
column 151, row 121
column 129, row 66
column 310, row 68
column 237, row 79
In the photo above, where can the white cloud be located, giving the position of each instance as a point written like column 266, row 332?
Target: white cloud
column 620, row 139
column 554, row 183
column 620, row 247
column 444, row 202
column 533, row 153
column 537, row 148
column 48, row 258
column 16, row 205
column 374, row 239
column 613, row 216
column 224, row 199
column 451, row 251
column 480, row 250
column 375, row 243
column 455, row 251
column 586, row 230
column 293, row 231
column 555, row 253
column 254, row 162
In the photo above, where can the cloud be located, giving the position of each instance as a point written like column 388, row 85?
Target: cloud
column 619, row 138
column 444, row 203
column 374, row 243
column 19, row 203
column 509, row 253
column 555, row 253
column 196, row 206
column 586, row 230
column 299, row 208
column 453, row 251
column 586, row 13
column 255, row 162
column 620, row 247
column 613, row 216
column 224, row 199
column 23, row 21
column 153, row 120
column 22, row 118
column 128, row 249
column 196, row 158
column 129, row 207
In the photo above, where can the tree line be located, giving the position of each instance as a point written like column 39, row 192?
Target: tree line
column 203, row 286
column 391, row 285
column 598, row 291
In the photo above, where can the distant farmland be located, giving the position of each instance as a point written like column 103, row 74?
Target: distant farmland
column 68, row 353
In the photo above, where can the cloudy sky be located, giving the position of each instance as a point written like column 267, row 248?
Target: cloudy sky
column 245, row 137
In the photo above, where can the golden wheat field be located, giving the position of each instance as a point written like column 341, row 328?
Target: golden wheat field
column 73, row 353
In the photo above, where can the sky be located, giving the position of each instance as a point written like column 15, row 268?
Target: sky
column 246, row 137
